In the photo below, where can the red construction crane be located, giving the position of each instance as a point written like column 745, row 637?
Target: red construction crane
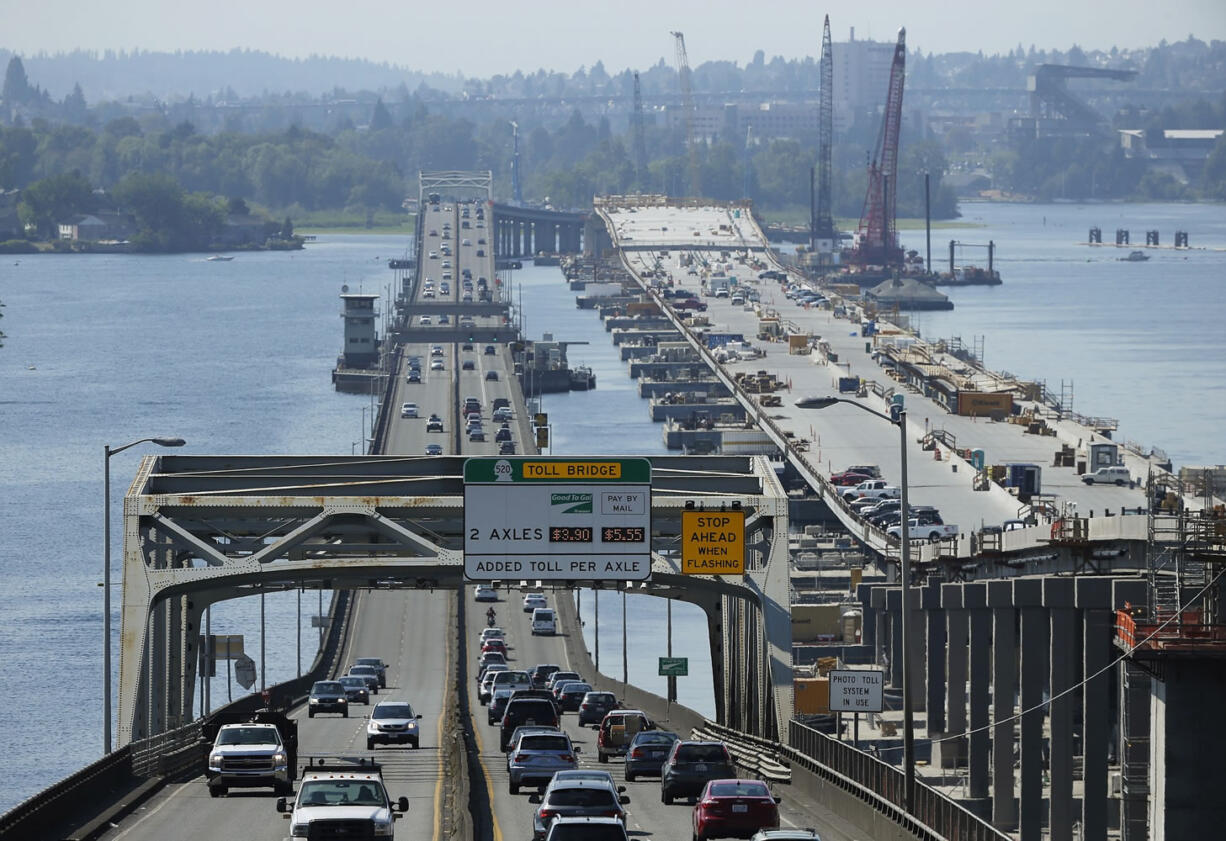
column 877, row 238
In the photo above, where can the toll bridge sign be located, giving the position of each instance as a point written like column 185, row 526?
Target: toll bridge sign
column 713, row 542
column 576, row 519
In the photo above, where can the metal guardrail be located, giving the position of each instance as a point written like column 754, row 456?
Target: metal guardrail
column 935, row 817
column 758, row 755
column 383, row 423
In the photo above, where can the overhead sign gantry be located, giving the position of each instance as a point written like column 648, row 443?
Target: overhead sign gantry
column 585, row 519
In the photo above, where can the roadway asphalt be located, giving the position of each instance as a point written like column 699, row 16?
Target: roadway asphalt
column 648, row 817
column 394, row 625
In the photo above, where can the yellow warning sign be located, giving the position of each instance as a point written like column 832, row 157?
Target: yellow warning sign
column 713, row 542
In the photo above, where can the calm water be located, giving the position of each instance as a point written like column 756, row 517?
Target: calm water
column 235, row 358
column 1141, row 342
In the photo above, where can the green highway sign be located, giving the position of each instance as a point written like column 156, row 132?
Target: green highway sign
column 674, row 666
column 565, row 471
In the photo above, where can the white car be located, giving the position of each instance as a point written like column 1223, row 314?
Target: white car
column 437, row 365
column 408, row 410
column 534, row 600
column 392, row 723
column 486, row 633
column 485, row 593
column 340, row 790
column 425, row 320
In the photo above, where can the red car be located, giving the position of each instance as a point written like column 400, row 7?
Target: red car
column 848, row 478
column 734, row 809
column 494, row 644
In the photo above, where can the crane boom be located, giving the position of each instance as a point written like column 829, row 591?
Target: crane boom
column 823, row 222
column 877, row 237
column 687, row 102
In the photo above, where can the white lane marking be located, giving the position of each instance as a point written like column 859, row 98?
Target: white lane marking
column 149, row 813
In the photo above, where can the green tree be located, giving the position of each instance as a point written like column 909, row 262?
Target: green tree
column 16, row 88
column 46, row 203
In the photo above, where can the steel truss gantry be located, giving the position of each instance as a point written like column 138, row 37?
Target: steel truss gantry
column 204, row 529
column 443, row 181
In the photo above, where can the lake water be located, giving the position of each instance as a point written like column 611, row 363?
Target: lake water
column 235, row 358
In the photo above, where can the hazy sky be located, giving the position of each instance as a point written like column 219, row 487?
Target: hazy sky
column 483, row 37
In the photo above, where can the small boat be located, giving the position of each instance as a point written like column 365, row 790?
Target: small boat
column 219, row 258
column 1135, row 257
column 582, row 378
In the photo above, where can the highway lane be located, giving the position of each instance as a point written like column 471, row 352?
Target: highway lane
column 402, row 628
column 647, row 816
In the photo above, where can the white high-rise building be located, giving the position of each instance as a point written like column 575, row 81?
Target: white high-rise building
column 861, row 78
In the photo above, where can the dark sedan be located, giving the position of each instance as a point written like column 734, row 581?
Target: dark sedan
column 595, row 706
column 647, row 752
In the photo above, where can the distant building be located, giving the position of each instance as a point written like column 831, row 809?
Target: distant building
column 768, row 120
column 102, row 226
column 361, row 346
column 861, row 77
column 1182, row 152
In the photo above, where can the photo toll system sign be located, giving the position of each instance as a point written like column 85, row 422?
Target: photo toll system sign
column 713, row 542
column 856, row 690
column 585, row 519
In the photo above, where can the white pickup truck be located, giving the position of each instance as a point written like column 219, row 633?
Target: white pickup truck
column 872, row 489
column 342, row 797
column 930, row 529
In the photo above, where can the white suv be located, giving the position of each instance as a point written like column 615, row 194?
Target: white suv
column 1108, row 476
column 346, row 796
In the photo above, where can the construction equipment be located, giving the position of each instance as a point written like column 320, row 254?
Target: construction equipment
column 517, row 195
column 687, row 102
column 877, row 238
column 640, row 142
column 823, row 219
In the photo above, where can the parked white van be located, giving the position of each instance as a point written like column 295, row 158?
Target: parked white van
column 1108, row 476
column 544, row 621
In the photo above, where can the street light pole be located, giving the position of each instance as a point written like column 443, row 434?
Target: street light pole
column 908, row 731
column 107, row 452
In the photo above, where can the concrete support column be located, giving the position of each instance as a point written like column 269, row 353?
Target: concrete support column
column 1065, row 648
column 894, row 605
column 957, row 634
column 935, row 620
column 1004, row 691
column 1035, row 635
column 980, row 680
column 1094, row 601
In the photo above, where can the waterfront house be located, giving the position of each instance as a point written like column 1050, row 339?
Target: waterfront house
column 102, row 226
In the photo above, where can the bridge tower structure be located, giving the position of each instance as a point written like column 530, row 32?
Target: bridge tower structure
column 640, row 141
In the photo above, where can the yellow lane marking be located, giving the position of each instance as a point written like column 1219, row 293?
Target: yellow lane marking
column 438, row 737
column 485, row 772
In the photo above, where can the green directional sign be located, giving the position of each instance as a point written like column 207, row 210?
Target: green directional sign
column 674, row 666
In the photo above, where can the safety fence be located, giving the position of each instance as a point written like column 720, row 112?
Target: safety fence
column 881, row 785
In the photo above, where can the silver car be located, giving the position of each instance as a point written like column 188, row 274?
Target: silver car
column 393, row 723
column 534, row 757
